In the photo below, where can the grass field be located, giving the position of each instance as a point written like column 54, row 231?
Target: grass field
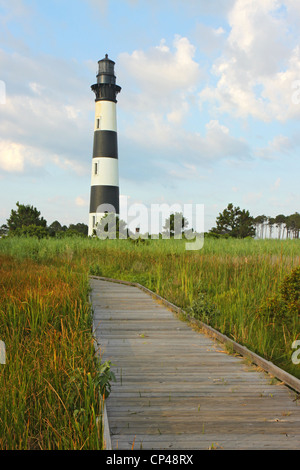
column 51, row 384
column 51, row 381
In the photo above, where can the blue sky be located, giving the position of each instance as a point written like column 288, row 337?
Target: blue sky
column 208, row 114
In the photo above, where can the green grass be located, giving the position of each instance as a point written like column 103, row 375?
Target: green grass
column 50, row 381
column 51, row 384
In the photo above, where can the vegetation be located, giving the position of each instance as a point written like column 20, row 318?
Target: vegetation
column 60, row 231
column 25, row 216
column 283, row 308
column 235, row 223
column 236, row 276
column 111, row 226
column 26, row 221
column 232, row 222
column 175, row 225
column 229, row 282
column 52, row 382
column 280, row 227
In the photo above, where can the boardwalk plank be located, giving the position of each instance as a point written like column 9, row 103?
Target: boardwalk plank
column 177, row 388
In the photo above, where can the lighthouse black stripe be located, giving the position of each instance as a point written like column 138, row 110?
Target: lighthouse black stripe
column 105, row 144
column 104, row 195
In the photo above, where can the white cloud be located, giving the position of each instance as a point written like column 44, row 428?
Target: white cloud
column 280, row 145
column 37, row 88
column 161, row 79
column 11, row 157
column 178, row 146
column 261, row 61
column 209, row 39
column 162, row 83
column 177, row 115
column 39, row 117
column 162, row 70
column 14, row 157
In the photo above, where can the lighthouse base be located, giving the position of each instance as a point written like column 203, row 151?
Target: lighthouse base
column 95, row 230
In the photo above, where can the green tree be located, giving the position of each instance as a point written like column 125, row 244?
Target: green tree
column 36, row 231
column 80, row 228
column 175, row 225
column 235, row 222
column 23, row 217
column 111, row 226
column 293, row 224
column 55, row 228
column 280, row 221
column 271, row 223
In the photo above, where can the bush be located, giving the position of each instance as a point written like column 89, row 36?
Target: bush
column 204, row 309
column 30, row 231
column 290, row 289
column 284, row 306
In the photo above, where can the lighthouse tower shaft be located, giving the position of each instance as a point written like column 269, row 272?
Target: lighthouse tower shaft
column 105, row 172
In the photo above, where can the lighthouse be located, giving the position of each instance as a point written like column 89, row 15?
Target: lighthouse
column 104, row 196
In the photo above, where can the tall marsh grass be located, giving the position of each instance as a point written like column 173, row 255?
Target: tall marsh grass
column 232, row 277
column 49, row 394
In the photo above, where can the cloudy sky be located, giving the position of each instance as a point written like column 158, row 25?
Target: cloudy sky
column 208, row 114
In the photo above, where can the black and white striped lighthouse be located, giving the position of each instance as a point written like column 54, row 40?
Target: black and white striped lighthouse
column 105, row 171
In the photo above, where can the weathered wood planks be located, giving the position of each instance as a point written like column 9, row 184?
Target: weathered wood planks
column 176, row 388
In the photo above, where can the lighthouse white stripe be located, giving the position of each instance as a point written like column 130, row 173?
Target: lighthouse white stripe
column 94, row 219
column 105, row 171
column 107, row 116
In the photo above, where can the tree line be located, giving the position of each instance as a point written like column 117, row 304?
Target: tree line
column 26, row 220
column 238, row 223
column 282, row 226
column 233, row 222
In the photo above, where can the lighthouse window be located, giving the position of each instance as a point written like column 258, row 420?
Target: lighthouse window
column 98, row 123
column 96, row 168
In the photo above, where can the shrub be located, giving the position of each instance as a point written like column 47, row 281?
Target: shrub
column 204, row 309
column 30, row 231
column 283, row 306
column 290, row 289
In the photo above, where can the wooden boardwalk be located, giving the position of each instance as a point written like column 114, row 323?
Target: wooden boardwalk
column 177, row 389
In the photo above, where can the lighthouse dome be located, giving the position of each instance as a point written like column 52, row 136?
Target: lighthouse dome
column 106, row 66
column 106, row 88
